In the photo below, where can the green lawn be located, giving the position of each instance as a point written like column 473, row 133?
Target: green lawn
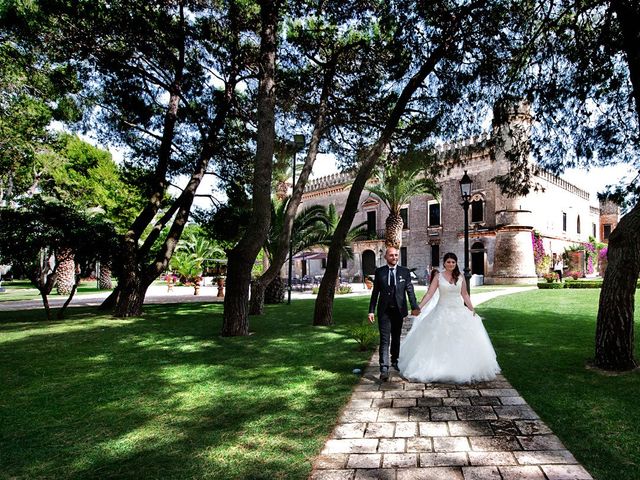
column 543, row 351
column 164, row 396
column 24, row 290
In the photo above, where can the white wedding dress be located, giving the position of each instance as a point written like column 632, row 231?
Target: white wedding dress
column 447, row 343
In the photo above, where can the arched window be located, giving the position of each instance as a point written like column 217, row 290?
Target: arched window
column 368, row 262
column 433, row 209
column 477, row 258
column 477, row 209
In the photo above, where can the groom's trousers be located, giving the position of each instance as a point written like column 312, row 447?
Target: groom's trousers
column 390, row 327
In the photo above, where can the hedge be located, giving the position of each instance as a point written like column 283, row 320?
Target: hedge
column 550, row 286
column 575, row 284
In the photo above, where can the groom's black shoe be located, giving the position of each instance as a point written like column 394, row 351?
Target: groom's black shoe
column 384, row 374
column 394, row 365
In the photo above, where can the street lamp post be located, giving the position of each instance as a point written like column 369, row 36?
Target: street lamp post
column 465, row 192
column 299, row 142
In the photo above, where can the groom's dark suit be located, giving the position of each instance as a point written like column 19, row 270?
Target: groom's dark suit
column 391, row 298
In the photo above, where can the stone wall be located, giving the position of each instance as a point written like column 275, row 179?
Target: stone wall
column 503, row 250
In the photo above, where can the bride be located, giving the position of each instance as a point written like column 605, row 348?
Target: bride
column 447, row 342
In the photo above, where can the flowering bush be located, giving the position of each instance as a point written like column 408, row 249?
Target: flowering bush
column 542, row 261
column 550, row 277
column 575, row 275
column 602, row 254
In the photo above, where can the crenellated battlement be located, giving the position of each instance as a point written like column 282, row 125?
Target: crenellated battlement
column 555, row 180
column 328, row 181
column 478, row 141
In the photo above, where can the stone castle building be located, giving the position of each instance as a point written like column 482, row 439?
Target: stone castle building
column 500, row 227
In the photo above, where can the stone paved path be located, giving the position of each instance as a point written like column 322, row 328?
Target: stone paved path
column 399, row 430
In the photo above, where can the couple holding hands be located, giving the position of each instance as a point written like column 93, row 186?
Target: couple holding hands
column 447, row 341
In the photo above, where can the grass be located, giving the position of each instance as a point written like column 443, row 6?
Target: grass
column 543, row 351
column 17, row 290
column 164, row 396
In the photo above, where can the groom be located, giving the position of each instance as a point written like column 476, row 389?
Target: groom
column 390, row 288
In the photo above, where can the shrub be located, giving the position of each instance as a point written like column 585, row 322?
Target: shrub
column 584, row 284
column 550, row 285
column 576, row 284
column 342, row 289
column 550, row 277
column 365, row 334
column 315, row 290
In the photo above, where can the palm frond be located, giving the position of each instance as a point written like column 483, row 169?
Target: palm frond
column 397, row 184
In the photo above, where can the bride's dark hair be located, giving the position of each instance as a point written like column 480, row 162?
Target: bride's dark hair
column 455, row 274
column 434, row 272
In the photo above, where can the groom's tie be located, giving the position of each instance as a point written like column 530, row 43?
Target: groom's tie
column 392, row 278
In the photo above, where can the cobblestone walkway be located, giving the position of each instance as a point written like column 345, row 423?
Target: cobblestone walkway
column 399, row 430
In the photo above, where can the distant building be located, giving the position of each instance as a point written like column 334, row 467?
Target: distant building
column 500, row 227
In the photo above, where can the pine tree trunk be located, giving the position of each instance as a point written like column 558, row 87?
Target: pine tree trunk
column 323, row 311
column 130, row 299
column 66, row 271
column 615, row 327
column 104, row 279
column 272, row 273
column 258, row 290
column 393, row 230
column 131, row 285
column 45, row 277
column 323, row 314
column 45, row 302
column 241, row 258
column 61, row 312
column 236, row 301
column 109, row 303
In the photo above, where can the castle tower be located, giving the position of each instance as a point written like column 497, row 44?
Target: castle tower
column 513, row 258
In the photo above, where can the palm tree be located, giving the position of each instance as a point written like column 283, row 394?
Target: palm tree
column 282, row 169
column 396, row 185
column 190, row 255
column 313, row 227
column 104, row 281
column 310, row 224
column 323, row 239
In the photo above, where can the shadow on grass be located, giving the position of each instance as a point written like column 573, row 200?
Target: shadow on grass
column 166, row 396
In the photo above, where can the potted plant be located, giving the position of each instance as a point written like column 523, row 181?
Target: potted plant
column 220, row 284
